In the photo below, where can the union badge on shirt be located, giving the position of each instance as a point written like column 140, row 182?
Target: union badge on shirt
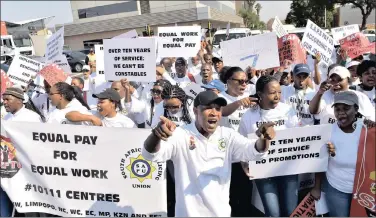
column 222, row 144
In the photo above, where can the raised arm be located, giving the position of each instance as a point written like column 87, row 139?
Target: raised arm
column 76, row 116
column 245, row 102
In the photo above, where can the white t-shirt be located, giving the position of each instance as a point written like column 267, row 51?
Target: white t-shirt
column 233, row 120
column 371, row 94
column 299, row 100
column 203, row 168
column 23, row 115
column 58, row 116
column 182, row 82
column 3, row 112
column 135, row 110
column 118, row 121
column 326, row 112
column 341, row 167
column 43, row 104
column 283, row 115
column 176, row 118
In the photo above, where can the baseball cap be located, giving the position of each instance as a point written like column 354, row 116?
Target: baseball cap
column 215, row 84
column 16, row 92
column 341, row 71
column 108, row 94
column 216, row 57
column 208, row 97
column 180, row 61
column 346, row 97
column 301, row 68
column 86, row 67
column 352, row 63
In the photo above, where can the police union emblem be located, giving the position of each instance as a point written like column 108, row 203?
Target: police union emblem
column 222, row 145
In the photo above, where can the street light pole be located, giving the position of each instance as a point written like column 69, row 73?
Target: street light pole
column 325, row 17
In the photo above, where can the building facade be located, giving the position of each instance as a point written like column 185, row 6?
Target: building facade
column 94, row 21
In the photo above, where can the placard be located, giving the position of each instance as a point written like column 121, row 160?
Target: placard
column 62, row 62
column 306, row 208
column 133, row 59
column 294, row 151
column 5, row 81
column 23, row 69
column 53, row 74
column 357, row 44
column 179, row 41
column 80, row 171
column 317, row 40
column 260, row 51
column 192, row 89
column 343, row 31
column 290, row 48
column 55, row 45
column 277, row 27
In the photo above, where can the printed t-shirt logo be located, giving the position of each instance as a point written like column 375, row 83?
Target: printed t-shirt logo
column 222, row 144
column 9, row 164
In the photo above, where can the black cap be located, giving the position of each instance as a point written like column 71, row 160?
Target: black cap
column 180, row 61
column 108, row 94
column 208, row 97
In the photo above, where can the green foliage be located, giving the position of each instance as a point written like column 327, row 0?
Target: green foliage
column 251, row 19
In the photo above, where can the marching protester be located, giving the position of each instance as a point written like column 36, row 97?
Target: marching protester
column 91, row 60
column 202, row 185
column 206, row 74
column 107, row 114
column 183, row 77
column 352, row 67
column 338, row 181
column 42, row 101
column 278, row 194
column 366, row 71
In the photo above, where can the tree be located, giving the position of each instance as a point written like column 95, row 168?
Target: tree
column 365, row 6
column 249, row 4
column 251, row 19
column 301, row 10
column 258, row 8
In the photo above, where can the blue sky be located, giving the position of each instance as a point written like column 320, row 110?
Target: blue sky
column 24, row 10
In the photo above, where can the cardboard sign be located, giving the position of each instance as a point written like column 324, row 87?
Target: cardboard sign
column 316, row 40
column 363, row 202
column 294, row 151
column 179, row 41
column 5, row 82
column 55, row 45
column 23, row 69
column 278, row 28
column 306, row 208
column 356, row 39
column 62, row 62
column 356, row 51
column 192, row 90
column 130, row 34
column 343, row 31
column 260, row 52
column 99, row 55
column 133, row 59
column 52, row 73
column 290, row 48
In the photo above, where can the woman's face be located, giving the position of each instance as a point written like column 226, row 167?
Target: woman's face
column 271, row 95
column 345, row 114
column 352, row 70
column 218, row 65
column 105, row 107
column 156, row 94
column 339, row 84
column 173, row 105
column 54, row 96
column 369, row 77
column 237, row 83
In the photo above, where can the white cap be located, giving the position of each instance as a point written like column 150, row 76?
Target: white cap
column 86, row 67
column 340, row 71
column 352, row 63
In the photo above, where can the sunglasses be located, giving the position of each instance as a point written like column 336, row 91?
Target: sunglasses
column 240, row 81
column 156, row 91
column 171, row 107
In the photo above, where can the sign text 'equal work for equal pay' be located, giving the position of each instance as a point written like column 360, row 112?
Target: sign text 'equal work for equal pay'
column 178, row 41
column 133, row 59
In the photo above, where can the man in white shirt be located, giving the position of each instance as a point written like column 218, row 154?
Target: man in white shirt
column 13, row 103
column 203, row 153
column 183, row 78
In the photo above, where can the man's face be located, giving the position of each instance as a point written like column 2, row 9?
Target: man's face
column 11, row 103
column 285, row 79
column 76, row 82
column 208, row 117
column 195, row 60
column 218, row 65
column 167, row 64
column 301, row 80
column 338, row 84
column 105, row 107
column 208, row 59
column 206, row 73
column 180, row 69
column 369, row 77
column 119, row 88
column 86, row 73
column 352, row 70
column 91, row 51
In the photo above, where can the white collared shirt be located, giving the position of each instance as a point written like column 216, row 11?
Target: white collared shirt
column 23, row 115
column 203, row 168
column 58, row 115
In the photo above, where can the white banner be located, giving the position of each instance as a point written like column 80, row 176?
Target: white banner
column 55, row 45
column 294, row 151
column 344, row 31
column 129, row 34
column 278, row 28
column 23, row 69
column 62, row 62
column 179, row 41
column 260, row 52
column 80, row 171
column 133, row 59
column 316, row 40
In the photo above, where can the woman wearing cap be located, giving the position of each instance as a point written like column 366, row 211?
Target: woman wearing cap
column 367, row 74
column 65, row 98
column 277, row 201
column 338, row 181
column 106, row 114
column 339, row 80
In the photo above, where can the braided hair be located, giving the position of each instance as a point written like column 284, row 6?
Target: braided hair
column 174, row 91
column 163, row 83
column 69, row 92
column 30, row 105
